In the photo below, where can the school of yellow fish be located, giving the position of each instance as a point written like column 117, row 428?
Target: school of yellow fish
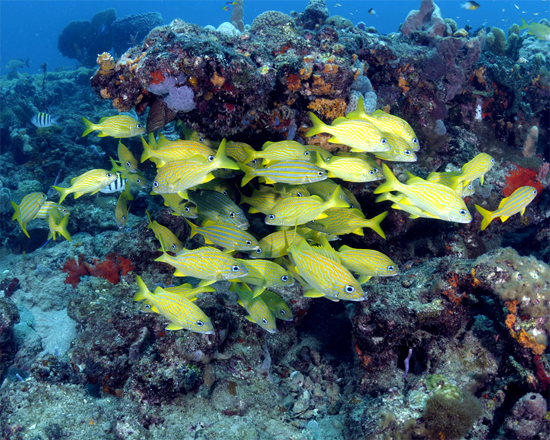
column 295, row 193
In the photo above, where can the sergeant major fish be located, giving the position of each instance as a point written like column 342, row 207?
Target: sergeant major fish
column 43, row 120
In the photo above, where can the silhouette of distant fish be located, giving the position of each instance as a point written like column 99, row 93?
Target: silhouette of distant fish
column 16, row 64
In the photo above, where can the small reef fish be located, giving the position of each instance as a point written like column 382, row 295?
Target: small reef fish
column 119, row 126
column 371, row 11
column 286, row 190
column 181, row 311
column 401, row 150
column 480, row 165
column 397, row 200
column 226, row 236
column 188, row 291
column 275, row 245
column 276, row 151
column 126, row 158
column 89, row 182
column 117, row 185
column 121, row 210
column 541, row 31
column 463, row 189
column 299, row 210
column 16, row 64
column 325, row 189
column 58, row 224
column 265, row 274
column 470, row 6
column 171, row 151
column 350, row 169
column 258, row 311
column 206, row 263
column 262, row 200
column 168, row 240
column 436, row 199
column 367, row 263
column 43, row 120
column 294, row 172
column 517, row 202
column 276, row 304
column 179, row 176
column 180, row 208
column 238, row 151
column 28, row 209
column 340, row 221
column 324, row 274
column 359, row 135
column 219, row 208
column 44, row 211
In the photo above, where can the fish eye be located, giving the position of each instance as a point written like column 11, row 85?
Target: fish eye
column 350, row 289
column 210, row 158
column 271, row 217
column 415, row 141
column 128, row 163
column 264, row 320
column 224, row 192
column 138, row 126
column 534, row 192
column 200, row 323
column 351, row 206
column 407, row 152
column 109, row 174
column 254, row 161
column 299, row 194
column 155, row 184
column 147, row 306
column 306, row 153
column 282, row 311
column 462, row 212
column 371, row 172
column 284, row 278
column 201, row 139
column 384, row 141
column 320, row 173
column 375, row 170
column 187, row 209
column 259, row 251
column 138, row 180
column 492, row 160
column 232, row 214
column 235, row 268
column 123, row 217
column 248, row 242
column 391, row 268
column 174, row 246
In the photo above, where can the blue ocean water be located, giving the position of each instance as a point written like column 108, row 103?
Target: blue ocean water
column 30, row 29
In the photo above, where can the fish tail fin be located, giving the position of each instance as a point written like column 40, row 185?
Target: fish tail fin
column 391, row 183
column 63, row 191
column 63, row 228
column 89, row 127
column 27, row 63
column 150, row 225
column 524, row 24
column 143, row 292
column 16, row 214
column 318, row 126
column 248, row 176
column 375, row 224
column 222, row 160
column 487, row 216
column 146, row 150
column 319, row 161
column 336, row 199
column 250, row 155
column 193, row 228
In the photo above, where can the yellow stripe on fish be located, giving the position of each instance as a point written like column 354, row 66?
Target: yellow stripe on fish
column 90, row 182
column 275, row 245
column 219, row 208
column 126, row 158
column 463, row 189
column 401, row 150
column 434, row 198
column 324, row 275
column 28, row 209
column 360, row 135
column 340, row 221
column 294, row 172
column 238, row 151
column 276, row 304
column 367, row 263
column 179, row 176
column 265, row 274
column 44, row 211
column 259, row 312
column 517, row 202
column 474, row 169
column 277, row 151
column 287, row 190
column 174, row 151
column 227, row 236
column 167, row 239
column 119, row 126
column 261, row 200
column 405, row 206
column 205, row 263
column 121, row 210
column 188, row 291
column 57, row 222
column 181, row 312
column 325, row 189
column 350, row 169
column 299, row 210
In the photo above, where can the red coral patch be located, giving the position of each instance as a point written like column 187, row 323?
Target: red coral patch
column 112, row 268
column 521, row 177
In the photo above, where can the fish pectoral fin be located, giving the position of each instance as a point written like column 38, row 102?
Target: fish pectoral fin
column 206, row 283
column 321, row 216
column 179, row 273
column 183, row 194
column 363, row 279
column 413, row 215
column 252, row 210
column 313, row 293
column 522, row 211
column 250, row 318
column 503, row 218
column 102, row 135
column 208, row 178
column 258, row 290
column 270, row 181
column 359, row 231
column 173, row 326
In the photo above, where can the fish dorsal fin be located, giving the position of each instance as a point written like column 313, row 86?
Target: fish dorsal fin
column 340, row 120
column 360, row 112
column 104, row 118
column 357, row 212
column 267, row 144
column 330, row 254
column 208, row 223
column 163, row 141
column 502, row 202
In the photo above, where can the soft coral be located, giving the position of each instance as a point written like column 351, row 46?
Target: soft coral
column 521, row 177
column 111, row 268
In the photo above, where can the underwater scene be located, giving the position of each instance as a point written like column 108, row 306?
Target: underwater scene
column 280, row 220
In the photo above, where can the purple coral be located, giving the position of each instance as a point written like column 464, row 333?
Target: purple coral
column 177, row 96
column 526, row 418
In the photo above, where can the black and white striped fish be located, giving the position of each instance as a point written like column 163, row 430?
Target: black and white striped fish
column 118, row 185
column 42, row 120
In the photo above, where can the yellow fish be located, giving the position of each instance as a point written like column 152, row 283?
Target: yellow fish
column 463, row 189
column 119, row 126
column 275, row 245
column 340, row 221
column 325, row 189
column 58, row 224
column 411, row 209
column 401, row 150
column 261, row 200
column 360, row 135
column 259, row 311
column 170, row 151
column 168, row 240
column 436, row 199
column 517, row 202
column 350, row 169
column 367, row 263
column 276, row 151
column 276, row 304
column 126, row 158
column 265, row 273
column 121, row 210
column 226, row 236
column 28, row 209
column 90, row 182
column 294, row 172
column 44, row 211
column 181, row 311
column 474, row 169
column 541, row 31
column 299, row 210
